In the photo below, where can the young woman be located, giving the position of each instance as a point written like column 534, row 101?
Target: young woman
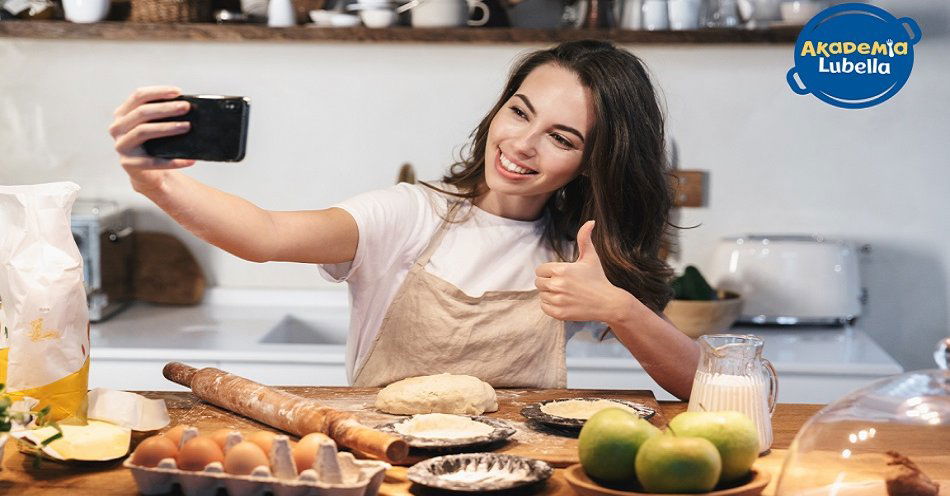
column 553, row 220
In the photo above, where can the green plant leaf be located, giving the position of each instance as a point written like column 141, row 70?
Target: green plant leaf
column 58, row 435
column 692, row 286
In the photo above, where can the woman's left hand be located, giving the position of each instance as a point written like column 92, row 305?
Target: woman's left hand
column 580, row 291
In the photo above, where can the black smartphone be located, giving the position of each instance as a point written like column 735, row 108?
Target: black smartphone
column 218, row 130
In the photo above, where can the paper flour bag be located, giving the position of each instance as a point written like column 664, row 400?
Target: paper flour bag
column 44, row 345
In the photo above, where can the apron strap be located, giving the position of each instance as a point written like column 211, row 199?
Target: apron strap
column 436, row 239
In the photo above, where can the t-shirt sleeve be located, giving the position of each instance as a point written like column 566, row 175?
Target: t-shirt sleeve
column 388, row 220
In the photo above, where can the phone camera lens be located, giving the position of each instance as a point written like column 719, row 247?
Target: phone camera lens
column 230, row 106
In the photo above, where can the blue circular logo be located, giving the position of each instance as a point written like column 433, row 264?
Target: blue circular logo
column 854, row 55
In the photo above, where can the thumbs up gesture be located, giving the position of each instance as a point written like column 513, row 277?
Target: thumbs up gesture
column 580, row 291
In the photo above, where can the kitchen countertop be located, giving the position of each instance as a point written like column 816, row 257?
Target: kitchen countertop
column 230, row 324
column 18, row 476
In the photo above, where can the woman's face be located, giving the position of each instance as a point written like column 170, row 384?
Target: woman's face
column 536, row 140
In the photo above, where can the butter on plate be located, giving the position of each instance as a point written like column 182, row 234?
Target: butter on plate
column 95, row 441
column 113, row 415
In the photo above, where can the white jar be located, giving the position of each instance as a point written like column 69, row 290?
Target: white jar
column 656, row 15
column 684, row 14
column 281, row 14
column 632, row 16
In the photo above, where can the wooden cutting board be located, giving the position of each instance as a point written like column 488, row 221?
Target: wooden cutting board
column 559, row 448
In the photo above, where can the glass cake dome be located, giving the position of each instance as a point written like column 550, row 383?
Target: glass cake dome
column 890, row 438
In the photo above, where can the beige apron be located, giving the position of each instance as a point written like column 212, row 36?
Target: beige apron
column 431, row 327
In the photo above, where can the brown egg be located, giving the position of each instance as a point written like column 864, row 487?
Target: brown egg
column 153, row 450
column 220, row 436
column 174, row 434
column 306, row 450
column 199, row 452
column 243, row 458
column 264, row 439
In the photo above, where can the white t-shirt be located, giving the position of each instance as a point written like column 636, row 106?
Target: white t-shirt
column 483, row 252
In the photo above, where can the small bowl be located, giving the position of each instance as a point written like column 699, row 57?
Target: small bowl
column 378, row 17
column 697, row 318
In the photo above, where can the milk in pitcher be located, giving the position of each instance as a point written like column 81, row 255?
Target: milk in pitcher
column 732, row 375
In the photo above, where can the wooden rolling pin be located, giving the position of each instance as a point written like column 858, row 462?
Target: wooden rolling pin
column 285, row 411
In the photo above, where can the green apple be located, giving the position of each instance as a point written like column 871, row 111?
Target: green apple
column 674, row 464
column 609, row 441
column 733, row 433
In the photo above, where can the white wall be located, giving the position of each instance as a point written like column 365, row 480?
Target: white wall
column 332, row 120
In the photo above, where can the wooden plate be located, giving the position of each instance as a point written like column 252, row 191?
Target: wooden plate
column 584, row 486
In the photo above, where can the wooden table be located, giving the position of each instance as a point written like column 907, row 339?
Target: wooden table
column 18, row 477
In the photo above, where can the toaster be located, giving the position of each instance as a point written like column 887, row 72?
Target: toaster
column 103, row 233
column 790, row 279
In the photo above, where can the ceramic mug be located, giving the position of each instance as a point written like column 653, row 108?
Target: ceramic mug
column 445, row 13
column 684, row 14
column 85, row 11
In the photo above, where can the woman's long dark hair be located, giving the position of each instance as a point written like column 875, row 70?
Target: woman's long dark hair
column 623, row 184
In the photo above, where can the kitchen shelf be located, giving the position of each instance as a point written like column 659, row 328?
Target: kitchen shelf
column 235, row 33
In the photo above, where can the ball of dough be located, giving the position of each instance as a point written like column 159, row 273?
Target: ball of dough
column 442, row 393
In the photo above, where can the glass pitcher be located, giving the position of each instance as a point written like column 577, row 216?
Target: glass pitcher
column 732, row 375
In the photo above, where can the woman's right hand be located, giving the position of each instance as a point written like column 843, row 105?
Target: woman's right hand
column 132, row 127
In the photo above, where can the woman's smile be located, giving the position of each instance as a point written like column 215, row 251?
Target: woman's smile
column 510, row 169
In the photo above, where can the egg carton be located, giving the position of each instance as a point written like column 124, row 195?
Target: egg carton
column 332, row 474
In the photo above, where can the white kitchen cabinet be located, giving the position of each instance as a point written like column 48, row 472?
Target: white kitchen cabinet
column 143, row 374
column 235, row 330
column 793, row 387
column 146, row 374
column 134, row 374
column 814, row 365
column 290, row 374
